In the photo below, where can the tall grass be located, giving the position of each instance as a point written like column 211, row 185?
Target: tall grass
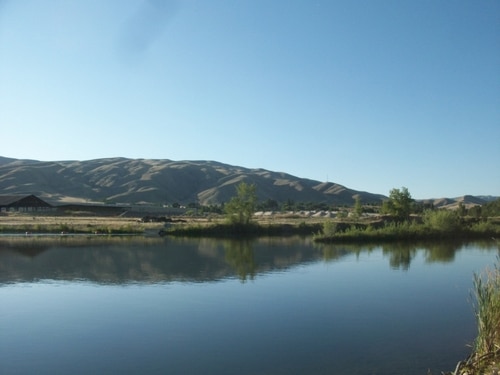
column 487, row 311
column 228, row 230
column 485, row 356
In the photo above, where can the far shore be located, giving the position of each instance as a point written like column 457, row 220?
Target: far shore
column 364, row 229
column 32, row 224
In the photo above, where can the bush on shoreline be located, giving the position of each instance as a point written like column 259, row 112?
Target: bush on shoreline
column 437, row 224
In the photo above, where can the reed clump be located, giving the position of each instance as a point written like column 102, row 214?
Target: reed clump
column 487, row 311
column 485, row 357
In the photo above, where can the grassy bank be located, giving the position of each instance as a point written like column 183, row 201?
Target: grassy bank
column 224, row 230
column 330, row 231
column 435, row 225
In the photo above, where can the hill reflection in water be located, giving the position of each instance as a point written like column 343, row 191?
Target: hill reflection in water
column 124, row 260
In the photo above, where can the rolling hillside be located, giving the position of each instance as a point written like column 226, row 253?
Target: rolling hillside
column 122, row 180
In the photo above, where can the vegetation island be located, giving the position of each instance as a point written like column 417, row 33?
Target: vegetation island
column 399, row 218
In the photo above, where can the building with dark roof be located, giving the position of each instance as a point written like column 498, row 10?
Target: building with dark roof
column 22, row 203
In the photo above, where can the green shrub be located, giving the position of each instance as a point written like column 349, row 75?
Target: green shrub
column 329, row 228
column 485, row 227
column 441, row 220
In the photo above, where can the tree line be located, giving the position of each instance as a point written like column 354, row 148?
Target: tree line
column 399, row 205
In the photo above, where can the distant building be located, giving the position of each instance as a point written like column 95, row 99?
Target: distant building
column 22, row 203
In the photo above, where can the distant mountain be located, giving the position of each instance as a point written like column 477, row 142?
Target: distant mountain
column 487, row 198
column 453, row 203
column 6, row 160
column 122, row 180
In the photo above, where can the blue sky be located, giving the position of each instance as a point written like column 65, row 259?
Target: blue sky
column 370, row 94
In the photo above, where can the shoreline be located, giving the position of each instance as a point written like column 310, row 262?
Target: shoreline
column 323, row 230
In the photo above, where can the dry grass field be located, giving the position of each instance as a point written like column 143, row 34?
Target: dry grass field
column 14, row 222
column 19, row 223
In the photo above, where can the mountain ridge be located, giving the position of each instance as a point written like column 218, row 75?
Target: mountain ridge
column 162, row 181
column 165, row 181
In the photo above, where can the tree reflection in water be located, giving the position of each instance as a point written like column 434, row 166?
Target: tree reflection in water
column 153, row 260
column 400, row 254
column 443, row 251
column 239, row 255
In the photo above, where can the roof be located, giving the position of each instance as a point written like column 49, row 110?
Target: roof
column 7, row 200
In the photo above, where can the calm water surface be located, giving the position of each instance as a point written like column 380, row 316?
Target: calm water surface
column 269, row 306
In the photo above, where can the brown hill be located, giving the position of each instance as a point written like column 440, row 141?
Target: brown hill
column 453, row 203
column 164, row 181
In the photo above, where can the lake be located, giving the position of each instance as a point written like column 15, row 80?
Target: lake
column 132, row 305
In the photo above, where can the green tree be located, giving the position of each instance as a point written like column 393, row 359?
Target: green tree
column 289, row 205
column 240, row 208
column 491, row 209
column 462, row 210
column 475, row 211
column 358, row 207
column 399, row 204
column 269, row 205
